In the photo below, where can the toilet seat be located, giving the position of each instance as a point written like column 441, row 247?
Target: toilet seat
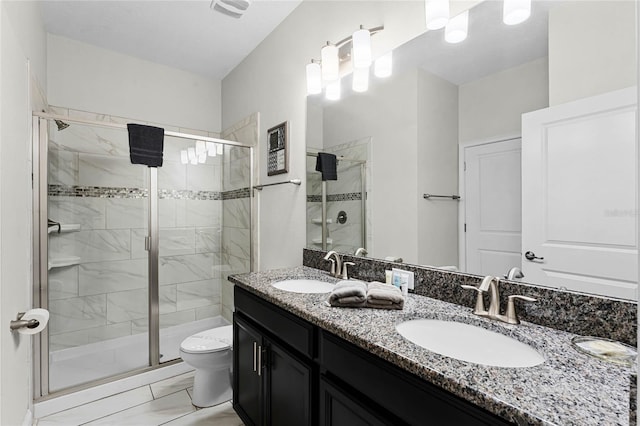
column 209, row 341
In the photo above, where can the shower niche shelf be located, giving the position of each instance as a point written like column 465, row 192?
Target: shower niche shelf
column 319, row 241
column 73, row 227
column 319, row 221
column 61, row 262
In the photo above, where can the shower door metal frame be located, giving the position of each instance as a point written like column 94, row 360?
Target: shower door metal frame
column 40, row 142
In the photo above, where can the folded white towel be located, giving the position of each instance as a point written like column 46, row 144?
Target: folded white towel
column 358, row 294
column 349, row 294
column 384, row 296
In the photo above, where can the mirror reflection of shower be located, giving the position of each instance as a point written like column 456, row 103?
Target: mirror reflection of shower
column 345, row 200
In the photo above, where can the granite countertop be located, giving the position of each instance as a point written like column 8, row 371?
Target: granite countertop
column 569, row 388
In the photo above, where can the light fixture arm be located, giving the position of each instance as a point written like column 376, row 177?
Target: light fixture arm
column 346, row 40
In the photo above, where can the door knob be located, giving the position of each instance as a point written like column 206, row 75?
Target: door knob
column 532, row 256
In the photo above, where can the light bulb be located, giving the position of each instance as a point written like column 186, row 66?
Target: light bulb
column 220, row 149
column 437, row 13
column 360, row 79
column 456, row 29
column 184, row 156
column 515, row 11
column 361, row 40
column 330, row 63
column 333, row 91
column 191, row 152
column 200, row 147
column 314, row 78
column 202, row 158
column 383, row 65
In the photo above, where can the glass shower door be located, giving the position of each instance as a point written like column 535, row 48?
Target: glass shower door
column 97, row 274
column 204, row 235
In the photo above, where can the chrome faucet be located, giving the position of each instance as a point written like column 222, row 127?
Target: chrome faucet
column 361, row 252
column 336, row 263
column 514, row 273
column 492, row 284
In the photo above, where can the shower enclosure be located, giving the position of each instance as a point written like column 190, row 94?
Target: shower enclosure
column 132, row 259
column 342, row 203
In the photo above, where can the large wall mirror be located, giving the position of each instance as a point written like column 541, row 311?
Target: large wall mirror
column 555, row 197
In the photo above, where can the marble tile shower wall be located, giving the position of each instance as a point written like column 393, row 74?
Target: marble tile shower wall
column 236, row 212
column 103, row 295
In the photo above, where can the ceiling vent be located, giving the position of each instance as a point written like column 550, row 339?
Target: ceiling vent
column 233, row 8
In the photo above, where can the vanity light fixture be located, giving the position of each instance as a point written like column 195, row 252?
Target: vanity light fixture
column 515, row 11
column 201, row 148
column 332, row 92
column 330, row 62
column 220, row 149
column 456, row 30
column 361, row 55
column 360, row 82
column 355, row 49
column 211, row 149
column 436, row 13
column 184, row 157
column 314, row 78
column 384, row 65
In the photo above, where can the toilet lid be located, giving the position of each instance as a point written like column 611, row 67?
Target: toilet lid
column 213, row 340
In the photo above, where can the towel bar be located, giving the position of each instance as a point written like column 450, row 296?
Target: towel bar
column 453, row 197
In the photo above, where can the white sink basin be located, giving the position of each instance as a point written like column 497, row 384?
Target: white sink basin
column 469, row 343
column 304, row 286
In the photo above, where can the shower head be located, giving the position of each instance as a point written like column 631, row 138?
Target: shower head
column 61, row 124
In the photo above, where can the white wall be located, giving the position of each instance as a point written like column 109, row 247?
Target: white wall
column 89, row 78
column 271, row 80
column 491, row 107
column 22, row 39
column 437, row 170
column 591, row 49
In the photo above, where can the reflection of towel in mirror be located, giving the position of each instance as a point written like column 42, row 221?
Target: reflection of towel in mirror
column 328, row 165
column 384, row 296
column 349, row 294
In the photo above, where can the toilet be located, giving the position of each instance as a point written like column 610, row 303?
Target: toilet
column 210, row 353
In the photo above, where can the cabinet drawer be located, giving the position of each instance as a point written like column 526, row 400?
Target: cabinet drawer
column 399, row 392
column 286, row 327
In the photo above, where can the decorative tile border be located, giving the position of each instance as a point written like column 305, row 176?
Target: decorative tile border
column 576, row 313
column 349, row 196
column 236, row 193
column 123, row 192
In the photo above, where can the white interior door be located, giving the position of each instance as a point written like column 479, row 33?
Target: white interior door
column 580, row 180
column 492, row 207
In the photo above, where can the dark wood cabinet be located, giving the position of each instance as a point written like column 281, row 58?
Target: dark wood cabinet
column 289, row 372
column 273, row 384
column 247, row 374
column 339, row 407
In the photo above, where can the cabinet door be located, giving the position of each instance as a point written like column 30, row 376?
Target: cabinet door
column 288, row 388
column 337, row 408
column 247, row 372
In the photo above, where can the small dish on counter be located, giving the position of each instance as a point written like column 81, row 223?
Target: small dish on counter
column 605, row 349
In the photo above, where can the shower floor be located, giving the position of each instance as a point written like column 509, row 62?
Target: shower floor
column 87, row 363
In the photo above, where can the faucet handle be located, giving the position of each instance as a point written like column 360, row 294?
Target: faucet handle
column 345, row 273
column 333, row 266
column 479, row 308
column 512, row 316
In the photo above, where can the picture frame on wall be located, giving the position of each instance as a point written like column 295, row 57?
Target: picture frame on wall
column 277, row 149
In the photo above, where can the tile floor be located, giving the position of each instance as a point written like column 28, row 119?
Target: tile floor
column 167, row 402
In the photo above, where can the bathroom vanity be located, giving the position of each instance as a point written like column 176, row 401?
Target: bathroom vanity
column 299, row 361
